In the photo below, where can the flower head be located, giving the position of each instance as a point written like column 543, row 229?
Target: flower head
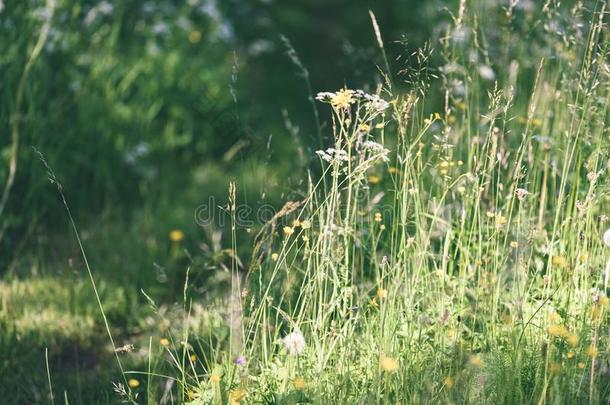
column 299, row 384
column 176, row 235
column 388, row 364
column 240, row 361
column 294, row 343
column 559, row 261
column 133, row 383
column 237, row 395
column 558, row 331
column 342, row 99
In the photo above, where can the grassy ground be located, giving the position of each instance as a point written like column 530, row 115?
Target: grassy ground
column 453, row 249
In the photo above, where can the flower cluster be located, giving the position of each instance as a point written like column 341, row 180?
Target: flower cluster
column 376, row 150
column 331, row 154
column 344, row 98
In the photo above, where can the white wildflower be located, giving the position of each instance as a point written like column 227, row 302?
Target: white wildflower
column 486, row 72
column 374, row 146
column 607, row 238
column 332, row 154
column 521, row 194
column 375, row 103
column 377, row 150
column 294, row 343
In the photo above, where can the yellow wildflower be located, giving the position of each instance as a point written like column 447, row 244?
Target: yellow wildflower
column 592, row 351
column 382, row 293
column 342, row 99
column 274, row 257
column 288, row 230
column 557, row 330
column 215, row 378
column 176, row 235
column 378, row 217
column 559, row 261
column 388, row 364
column 305, row 224
column 364, row 128
column 299, row 384
column 164, row 342
column 475, row 360
column 374, row 179
column 237, row 395
column 572, row 339
column 133, row 383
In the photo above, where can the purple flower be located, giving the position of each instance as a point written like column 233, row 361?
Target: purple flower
column 240, row 361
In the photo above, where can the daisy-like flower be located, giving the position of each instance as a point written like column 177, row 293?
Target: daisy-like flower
column 133, row 383
column 294, row 343
column 342, row 99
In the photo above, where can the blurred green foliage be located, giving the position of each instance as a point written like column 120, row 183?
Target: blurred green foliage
column 127, row 98
column 123, row 96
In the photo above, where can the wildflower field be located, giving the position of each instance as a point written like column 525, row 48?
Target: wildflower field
column 433, row 229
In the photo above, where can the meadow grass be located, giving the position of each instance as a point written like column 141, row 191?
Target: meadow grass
column 452, row 248
column 452, row 255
